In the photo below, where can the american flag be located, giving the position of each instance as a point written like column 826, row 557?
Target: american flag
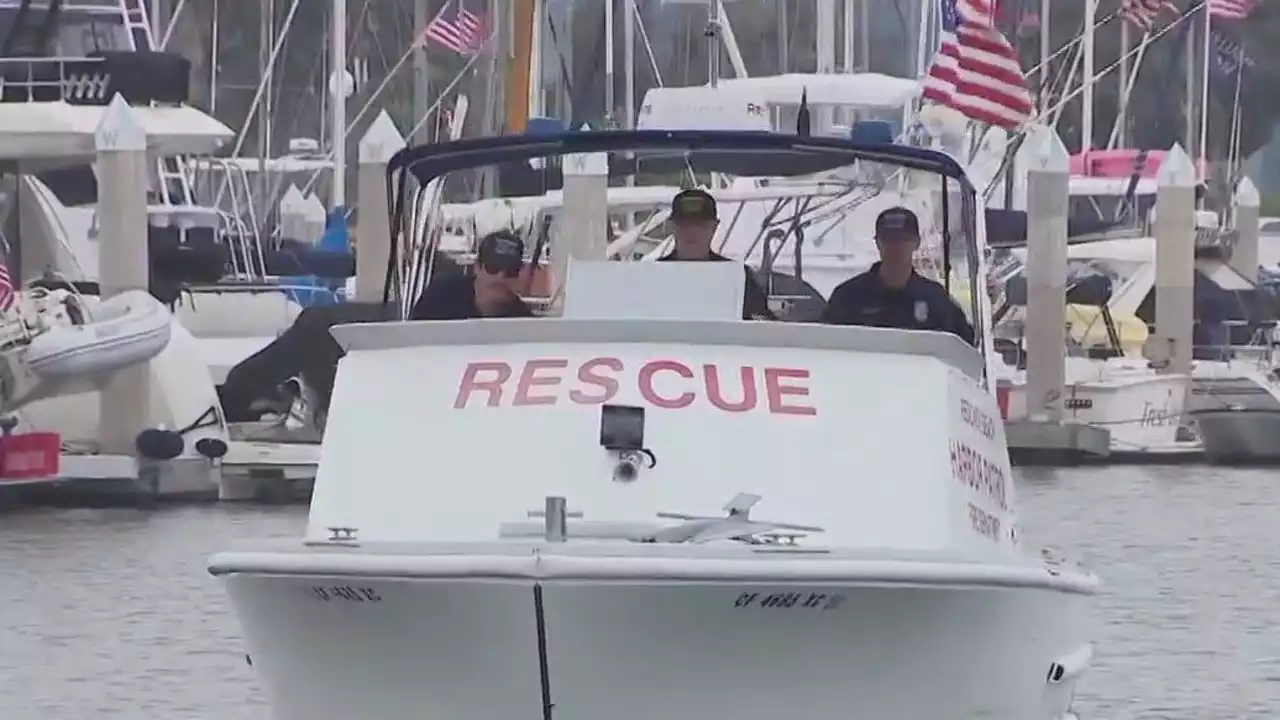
column 1144, row 13
column 7, row 294
column 976, row 70
column 465, row 34
column 1231, row 9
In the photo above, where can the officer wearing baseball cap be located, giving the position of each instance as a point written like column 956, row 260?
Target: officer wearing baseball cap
column 891, row 294
column 491, row 292
column 693, row 214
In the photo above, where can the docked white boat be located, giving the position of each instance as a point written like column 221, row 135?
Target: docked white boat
column 648, row 507
column 1142, row 408
column 59, row 343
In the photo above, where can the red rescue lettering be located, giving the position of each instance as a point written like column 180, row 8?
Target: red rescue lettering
column 649, row 369
column 979, row 474
column 594, row 386
column 984, row 523
column 538, row 374
column 975, row 418
column 486, row 377
column 668, row 384
column 715, row 395
column 777, row 390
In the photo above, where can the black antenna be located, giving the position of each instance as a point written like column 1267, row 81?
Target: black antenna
column 803, row 128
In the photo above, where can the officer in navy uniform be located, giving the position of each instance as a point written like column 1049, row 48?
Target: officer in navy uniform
column 892, row 294
column 693, row 214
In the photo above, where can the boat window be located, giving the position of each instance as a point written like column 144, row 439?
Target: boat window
column 90, row 26
column 802, row 218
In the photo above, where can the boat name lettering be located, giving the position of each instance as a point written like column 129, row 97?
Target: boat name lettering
column 790, row 600
column 974, row 417
column 345, row 593
column 979, row 474
column 1153, row 416
column 668, row 384
column 984, row 523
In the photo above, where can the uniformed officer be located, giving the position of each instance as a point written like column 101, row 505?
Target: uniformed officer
column 892, row 294
column 490, row 292
column 693, row 214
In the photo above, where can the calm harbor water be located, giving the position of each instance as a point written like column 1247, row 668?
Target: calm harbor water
column 109, row 614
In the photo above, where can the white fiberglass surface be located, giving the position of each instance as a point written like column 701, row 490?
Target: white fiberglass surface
column 449, row 443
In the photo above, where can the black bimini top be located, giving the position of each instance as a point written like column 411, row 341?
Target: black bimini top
column 730, row 152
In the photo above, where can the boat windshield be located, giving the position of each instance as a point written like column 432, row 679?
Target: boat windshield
column 82, row 28
column 801, row 212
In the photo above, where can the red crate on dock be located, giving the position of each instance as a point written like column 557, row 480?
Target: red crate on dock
column 30, row 456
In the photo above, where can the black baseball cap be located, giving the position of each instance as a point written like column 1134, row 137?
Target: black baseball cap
column 693, row 206
column 501, row 252
column 897, row 223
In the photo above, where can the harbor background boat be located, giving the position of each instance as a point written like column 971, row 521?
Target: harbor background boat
column 111, row 613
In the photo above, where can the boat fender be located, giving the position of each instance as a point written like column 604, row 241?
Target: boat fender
column 211, row 448
column 156, row 444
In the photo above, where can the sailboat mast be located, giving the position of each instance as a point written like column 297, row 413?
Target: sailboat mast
column 1189, row 85
column 1204, row 89
column 338, row 102
column 610, row 60
column 713, row 43
column 847, row 38
column 1086, row 100
column 629, row 61
column 519, row 77
column 1123, row 82
column 214, row 40
column 421, row 72
column 1045, row 39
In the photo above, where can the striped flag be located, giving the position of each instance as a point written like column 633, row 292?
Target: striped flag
column 1231, row 9
column 1144, row 13
column 976, row 70
column 7, row 294
column 465, row 34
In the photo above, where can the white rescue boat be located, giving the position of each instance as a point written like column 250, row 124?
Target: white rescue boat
column 631, row 513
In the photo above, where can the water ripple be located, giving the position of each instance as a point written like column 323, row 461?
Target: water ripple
column 111, row 613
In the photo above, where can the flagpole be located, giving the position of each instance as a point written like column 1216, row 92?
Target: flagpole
column 338, row 104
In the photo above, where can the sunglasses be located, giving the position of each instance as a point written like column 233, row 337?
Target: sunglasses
column 499, row 267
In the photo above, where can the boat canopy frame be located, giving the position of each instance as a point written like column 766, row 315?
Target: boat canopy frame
column 730, row 152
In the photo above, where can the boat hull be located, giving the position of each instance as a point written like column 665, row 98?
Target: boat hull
column 391, row 647
column 1141, row 411
column 1237, row 419
column 1239, row 436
